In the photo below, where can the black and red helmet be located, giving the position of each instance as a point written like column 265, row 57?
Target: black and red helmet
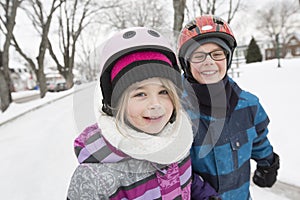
column 208, row 28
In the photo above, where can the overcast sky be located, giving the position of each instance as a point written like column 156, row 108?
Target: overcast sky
column 243, row 26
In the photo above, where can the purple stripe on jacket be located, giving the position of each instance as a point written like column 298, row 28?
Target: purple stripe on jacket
column 87, row 150
column 86, row 134
column 111, row 158
column 150, row 194
column 187, row 172
column 136, row 191
column 175, row 182
column 90, row 149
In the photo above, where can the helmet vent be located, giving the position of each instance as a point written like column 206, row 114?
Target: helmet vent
column 217, row 20
column 191, row 27
column 129, row 34
column 153, row 33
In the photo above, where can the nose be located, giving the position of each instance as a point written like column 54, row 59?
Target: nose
column 208, row 58
column 154, row 103
column 154, row 106
column 208, row 61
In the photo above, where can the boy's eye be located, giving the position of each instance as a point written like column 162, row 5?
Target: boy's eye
column 217, row 54
column 200, row 56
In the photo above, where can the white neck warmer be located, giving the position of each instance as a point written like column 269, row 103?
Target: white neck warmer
column 169, row 146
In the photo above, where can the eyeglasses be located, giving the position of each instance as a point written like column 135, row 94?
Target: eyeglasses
column 199, row 57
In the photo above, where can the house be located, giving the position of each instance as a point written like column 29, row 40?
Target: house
column 289, row 50
column 240, row 53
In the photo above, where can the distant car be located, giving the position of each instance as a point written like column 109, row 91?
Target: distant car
column 55, row 82
column 77, row 82
column 56, row 86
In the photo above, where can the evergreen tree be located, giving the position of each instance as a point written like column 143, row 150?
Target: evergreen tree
column 253, row 52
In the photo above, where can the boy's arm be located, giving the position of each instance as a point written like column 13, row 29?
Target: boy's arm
column 265, row 174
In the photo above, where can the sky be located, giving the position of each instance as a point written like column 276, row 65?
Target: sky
column 29, row 38
column 37, row 157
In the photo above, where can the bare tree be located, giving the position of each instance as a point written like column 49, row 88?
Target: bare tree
column 7, row 24
column 128, row 13
column 41, row 21
column 279, row 18
column 179, row 6
column 87, row 64
column 115, row 15
column 73, row 18
column 217, row 7
column 233, row 9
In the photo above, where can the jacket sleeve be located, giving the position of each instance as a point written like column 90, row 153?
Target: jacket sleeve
column 202, row 190
column 85, row 184
column 265, row 174
column 261, row 144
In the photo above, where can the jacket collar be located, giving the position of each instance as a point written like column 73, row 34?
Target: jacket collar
column 170, row 146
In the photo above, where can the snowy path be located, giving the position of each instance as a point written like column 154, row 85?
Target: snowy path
column 37, row 151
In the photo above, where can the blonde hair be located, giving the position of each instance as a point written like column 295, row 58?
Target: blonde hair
column 173, row 93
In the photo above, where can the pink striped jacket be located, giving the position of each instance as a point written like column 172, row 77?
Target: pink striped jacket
column 107, row 173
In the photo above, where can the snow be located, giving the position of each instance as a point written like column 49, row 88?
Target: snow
column 37, row 157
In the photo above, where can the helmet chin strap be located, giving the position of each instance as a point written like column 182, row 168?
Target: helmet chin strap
column 188, row 74
column 173, row 117
column 106, row 108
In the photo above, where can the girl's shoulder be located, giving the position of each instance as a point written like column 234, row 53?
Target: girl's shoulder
column 91, row 147
column 87, row 133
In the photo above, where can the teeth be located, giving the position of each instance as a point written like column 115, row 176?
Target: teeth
column 208, row 72
column 153, row 117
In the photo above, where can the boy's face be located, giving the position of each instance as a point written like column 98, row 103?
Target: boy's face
column 149, row 107
column 209, row 71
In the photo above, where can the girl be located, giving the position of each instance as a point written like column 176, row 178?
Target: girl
column 139, row 148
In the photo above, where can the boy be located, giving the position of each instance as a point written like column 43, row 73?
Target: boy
column 232, row 123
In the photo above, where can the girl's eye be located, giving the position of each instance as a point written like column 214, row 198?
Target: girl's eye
column 164, row 92
column 140, row 94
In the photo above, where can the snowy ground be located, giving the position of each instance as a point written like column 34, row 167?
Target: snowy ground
column 37, row 148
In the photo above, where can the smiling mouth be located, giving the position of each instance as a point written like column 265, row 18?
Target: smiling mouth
column 207, row 73
column 153, row 118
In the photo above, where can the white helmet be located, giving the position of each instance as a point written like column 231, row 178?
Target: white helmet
column 126, row 42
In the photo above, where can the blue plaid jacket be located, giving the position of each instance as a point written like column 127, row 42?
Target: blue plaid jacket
column 223, row 147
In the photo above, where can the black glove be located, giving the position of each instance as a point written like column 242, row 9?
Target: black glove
column 265, row 176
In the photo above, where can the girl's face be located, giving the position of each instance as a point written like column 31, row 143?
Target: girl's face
column 149, row 106
column 209, row 71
